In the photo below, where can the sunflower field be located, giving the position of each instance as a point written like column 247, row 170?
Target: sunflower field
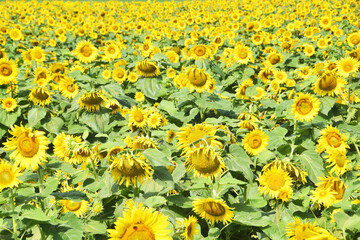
column 180, row 120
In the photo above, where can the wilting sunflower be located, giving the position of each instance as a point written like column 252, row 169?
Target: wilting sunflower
column 329, row 83
column 8, row 175
column 346, row 66
column 40, row 96
column 273, row 180
column 38, row 54
column 114, row 105
column 331, row 139
column 92, row 101
column 131, row 169
column 195, row 79
column 68, row 87
column 305, row 107
column 242, row 54
column 205, row 162
column 8, row 71
column 255, row 142
column 147, row 68
column 79, row 208
column 192, row 136
column 188, row 227
column 139, row 222
column 82, row 154
column 86, row 51
column 30, row 147
column 213, row 210
column 119, row 75
column 338, row 161
column 9, row 104
column 138, row 117
column 42, row 76
column 139, row 142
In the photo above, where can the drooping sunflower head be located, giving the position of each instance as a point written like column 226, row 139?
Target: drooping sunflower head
column 114, row 105
column 9, row 104
column 213, row 210
column 92, row 101
column 255, row 142
column 338, row 161
column 8, row 71
column 147, row 68
column 58, row 68
column 142, row 143
column 40, row 96
column 139, row 222
column 296, row 173
column 241, row 90
column 130, row 169
column 8, row 175
column 305, row 107
column 86, row 51
column 188, row 227
column 331, row 138
column 329, row 83
column 273, row 181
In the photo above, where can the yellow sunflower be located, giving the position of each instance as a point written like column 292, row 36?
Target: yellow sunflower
column 42, row 76
column 331, row 139
column 142, row 143
column 296, row 173
column 200, row 52
column 242, row 54
column 308, row 50
column 138, row 117
column 299, row 230
column 9, row 104
column 255, row 142
column 92, row 101
column 15, row 34
column 329, row 191
column 213, row 210
column 188, row 227
column 323, row 196
column 119, row 75
column 133, row 77
column 114, row 105
column 205, row 162
column 130, row 169
column 64, row 145
column 241, row 90
column 196, row 79
column 329, row 83
column 260, row 94
column 8, row 71
column 305, row 107
column 353, row 39
column 40, row 96
column 338, row 161
column 274, row 58
column 346, row 66
column 170, row 134
column 112, row 51
column 147, row 68
column 38, row 54
column 172, row 56
column 68, row 87
column 139, row 222
column 8, row 175
column 86, row 51
column 79, row 208
column 273, row 180
column 30, row 147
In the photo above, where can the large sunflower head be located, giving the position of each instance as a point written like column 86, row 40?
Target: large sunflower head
column 8, row 175
column 130, row 169
column 119, row 75
column 15, row 34
column 213, row 210
column 86, row 51
column 346, row 66
column 8, row 71
column 200, row 52
column 299, row 230
column 139, row 222
column 273, row 181
column 331, row 138
column 255, row 142
column 274, row 58
column 40, row 96
column 38, row 54
column 30, row 147
column 329, row 83
column 353, row 39
column 92, row 101
column 195, row 79
column 114, row 105
column 147, row 68
column 305, row 107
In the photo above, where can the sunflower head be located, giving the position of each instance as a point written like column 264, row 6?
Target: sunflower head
column 86, row 51
column 188, row 227
column 68, row 87
column 79, row 208
column 213, row 210
column 147, row 68
column 305, row 107
column 329, row 83
column 255, row 142
column 40, row 96
column 138, row 118
column 8, row 71
column 92, row 101
column 273, row 181
column 8, row 175
column 9, row 104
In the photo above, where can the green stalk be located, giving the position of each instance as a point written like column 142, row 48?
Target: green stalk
column 94, row 169
column 13, row 217
column 277, row 216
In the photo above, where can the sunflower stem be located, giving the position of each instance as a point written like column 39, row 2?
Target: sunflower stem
column 295, row 125
column 94, row 169
column 13, row 217
column 357, row 149
column 277, row 216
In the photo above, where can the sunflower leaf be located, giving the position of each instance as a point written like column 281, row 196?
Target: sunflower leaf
column 35, row 115
column 313, row 164
column 239, row 161
column 71, row 195
column 33, row 213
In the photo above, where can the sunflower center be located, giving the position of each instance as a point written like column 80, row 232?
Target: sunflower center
column 70, row 88
column 86, row 51
column 42, row 75
column 255, row 142
column 146, row 47
column 328, row 82
column 340, row 161
column 27, row 145
column 93, row 99
column 355, row 40
column 197, row 77
column 348, row 68
column 38, row 55
column 130, row 169
column 5, row 178
column 200, row 51
column 304, row 106
column 5, row 69
column 8, row 104
column 147, row 67
column 138, row 232
column 138, row 116
column 73, row 206
column 214, row 209
column 205, row 162
column 274, row 59
column 275, row 181
column 243, row 53
column 333, row 139
column 111, row 50
column 41, row 94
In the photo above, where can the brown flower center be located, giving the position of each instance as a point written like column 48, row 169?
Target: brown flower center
column 214, row 209
column 304, row 106
column 28, row 144
column 138, row 232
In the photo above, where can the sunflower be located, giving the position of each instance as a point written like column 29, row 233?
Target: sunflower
column 172, row 56
column 64, row 145
column 30, row 147
column 40, row 96
column 155, row 120
column 114, row 105
column 130, row 169
column 42, row 76
column 193, row 136
column 188, row 227
column 82, row 154
column 58, row 68
column 139, row 222
column 298, row 230
column 196, row 79
column 119, row 75
column 38, row 54
column 200, row 52
column 242, row 54
column 142, row 143
column 274, row 58
column 15, row 34
column 331, row 139
column 346, row 66
column 274, row 180
column 8, row 71
column 241, row 90
column 139, row 97
column 325, row 22
column 8, row 175
column 323, row 196
column 329, row 191
column 255, row 142
column 213, row 210
column 170, row 134
column 86, row 51
column 353, row 39
column 68, row 87
column 329, row 83
column 133, row 77
column 338, row 161
column 79, row 208
column 305, row 107
column 296, row 173
column 9, row 104
column 92, row 101
column 138, row 117
column 147, row 68
column 260, row 94
column 308, row 50
column 205, row 162
column 112, row 51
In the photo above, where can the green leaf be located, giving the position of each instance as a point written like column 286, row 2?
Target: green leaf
column 179, row 201
column 51, row 185
column 313, row 164
column 156, row 157
column 326, row 104
column 97, row 121
column 239, row 161
column 9, row 118
column 248, row 73
column 155, row 201
column 95, row 227
column 150, row 87
column 33, row 213
column 72, row 195
column 249, row 216
column 35, row 115
column 276, row 137
column 54, row 125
